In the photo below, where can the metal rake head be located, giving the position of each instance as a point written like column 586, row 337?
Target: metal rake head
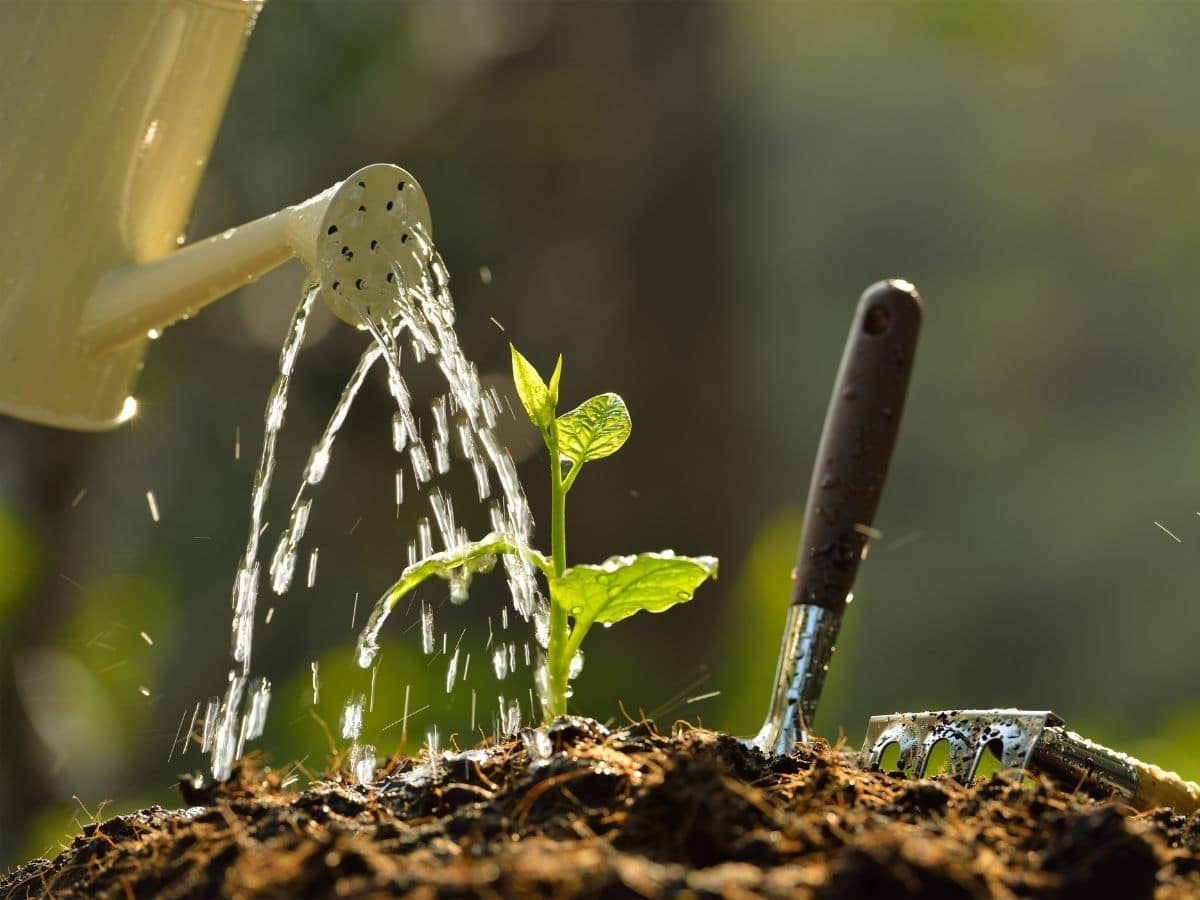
column 1010, row 734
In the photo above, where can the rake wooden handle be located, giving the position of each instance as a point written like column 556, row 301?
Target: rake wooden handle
column 856, row 443
column 1157, row 787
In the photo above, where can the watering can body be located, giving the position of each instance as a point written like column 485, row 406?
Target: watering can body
column 108, row 112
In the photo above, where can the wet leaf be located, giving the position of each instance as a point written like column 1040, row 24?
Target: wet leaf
column 624, row 585
column 593, row 430
column 475, row 556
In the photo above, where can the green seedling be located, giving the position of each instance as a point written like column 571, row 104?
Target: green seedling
column 582, row 595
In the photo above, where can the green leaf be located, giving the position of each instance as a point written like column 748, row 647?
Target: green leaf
column 593, row 430
column 462, row 563
column 624, row 585
column 537, row 399
column 555, row 376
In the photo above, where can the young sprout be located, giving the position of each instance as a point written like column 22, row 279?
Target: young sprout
column 582, row 595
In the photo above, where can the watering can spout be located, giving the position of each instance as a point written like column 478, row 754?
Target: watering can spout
column 135, row 300
column 380, row 205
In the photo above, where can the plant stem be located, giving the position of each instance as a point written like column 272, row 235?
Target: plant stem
column 557, row 667
column 558, row 514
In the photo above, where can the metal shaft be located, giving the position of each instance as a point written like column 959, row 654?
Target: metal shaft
column 809, row 637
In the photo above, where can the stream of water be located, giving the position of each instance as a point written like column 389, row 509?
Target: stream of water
column 466, row 414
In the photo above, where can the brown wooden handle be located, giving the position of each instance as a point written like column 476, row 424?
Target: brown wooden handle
column 857, row 442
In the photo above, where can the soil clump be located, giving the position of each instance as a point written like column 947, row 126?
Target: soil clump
column 625, row 813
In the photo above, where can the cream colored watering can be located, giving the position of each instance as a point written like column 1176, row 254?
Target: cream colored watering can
column 108, row 112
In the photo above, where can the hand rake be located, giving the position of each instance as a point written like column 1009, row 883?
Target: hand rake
column 852, row 460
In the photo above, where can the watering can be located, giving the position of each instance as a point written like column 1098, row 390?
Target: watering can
column 108, row 113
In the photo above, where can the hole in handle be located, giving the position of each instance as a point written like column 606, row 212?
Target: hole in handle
column 877, row 320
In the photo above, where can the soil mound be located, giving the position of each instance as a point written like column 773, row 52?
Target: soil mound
column 627, row 813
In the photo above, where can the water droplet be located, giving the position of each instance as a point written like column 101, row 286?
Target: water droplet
column 256, row 717
column 362, row 763
column 537, row 744
column 576, row 665
column 312, row 567
column 426, row 628
column 541, row 626
column 399, row 432
column 352, row 716
column 500, row 662
column 459, row 582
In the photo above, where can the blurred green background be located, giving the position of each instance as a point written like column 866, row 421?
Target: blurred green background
column 686, row 201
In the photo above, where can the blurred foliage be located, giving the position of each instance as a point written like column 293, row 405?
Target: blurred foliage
column 124, row 629
column 1174, row 743
column 711, row 186
column 17, row 562
column 753, row 618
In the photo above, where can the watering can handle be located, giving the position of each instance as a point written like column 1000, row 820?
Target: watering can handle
column 856, row 443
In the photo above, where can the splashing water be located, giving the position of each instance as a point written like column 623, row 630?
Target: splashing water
column 256, row 718
column 363, row 762
column 537, row 744
column 452, row 671
column 283, row 562
column 500, row 662
column 352, row 716
column 245, row 592
column 426, row 312
column 466, row 415
column 426, row 629
column 227, row 734
column 510, row 716
column 211, row 710
column 225, row 728
column 432, row 744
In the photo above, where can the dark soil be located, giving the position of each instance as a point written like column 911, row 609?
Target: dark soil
column 627, row 814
